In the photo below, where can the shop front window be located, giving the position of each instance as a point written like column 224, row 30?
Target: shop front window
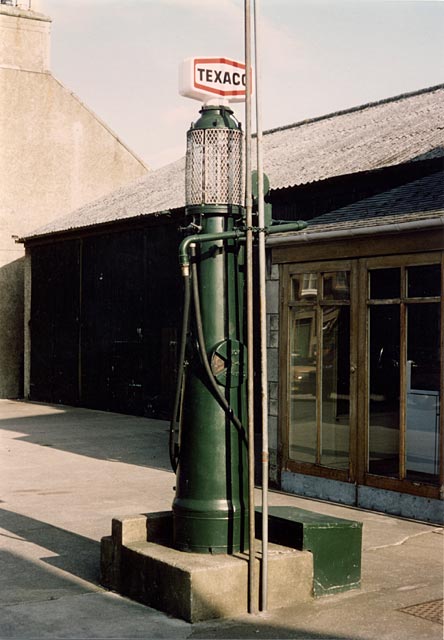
column 335, row 384
column 363, row 380
column 319, row 369
column 302, row 375
column 384, row 390
column 404, row 356
column 423, row 372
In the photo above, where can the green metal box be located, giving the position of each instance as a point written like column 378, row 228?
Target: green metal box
column 334, row 542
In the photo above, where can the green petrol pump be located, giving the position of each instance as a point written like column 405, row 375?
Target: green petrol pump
column 210, row 507
column 208, row 434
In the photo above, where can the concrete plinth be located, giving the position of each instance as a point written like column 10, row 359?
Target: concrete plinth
column 138, row 561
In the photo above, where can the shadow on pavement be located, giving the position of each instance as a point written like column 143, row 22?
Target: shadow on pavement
column 257, row 629
column 73, row 553
column 96, row 434
column 24, row 580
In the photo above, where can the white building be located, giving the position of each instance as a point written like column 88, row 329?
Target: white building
column 55, row 155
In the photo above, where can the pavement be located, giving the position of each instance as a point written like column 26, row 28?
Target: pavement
column 66, row 472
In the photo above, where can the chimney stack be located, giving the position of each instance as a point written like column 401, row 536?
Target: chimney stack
column 24, row 36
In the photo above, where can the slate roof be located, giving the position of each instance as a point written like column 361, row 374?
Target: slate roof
column 423, row 198
column 401, row 129
column 390, row 132
column 420, row 200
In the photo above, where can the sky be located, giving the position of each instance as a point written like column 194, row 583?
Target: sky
column 121, row 58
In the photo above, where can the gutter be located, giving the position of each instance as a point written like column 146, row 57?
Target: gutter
column 95, row 228
column 321, row 236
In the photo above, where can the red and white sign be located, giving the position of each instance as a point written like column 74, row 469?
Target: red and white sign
column 213, row 80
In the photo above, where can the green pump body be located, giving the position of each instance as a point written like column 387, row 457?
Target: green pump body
column 210, row 506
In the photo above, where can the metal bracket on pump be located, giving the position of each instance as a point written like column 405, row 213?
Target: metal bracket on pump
column 229, row 363
column 271, row 226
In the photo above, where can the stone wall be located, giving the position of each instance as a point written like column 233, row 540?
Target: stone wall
column 273, row 368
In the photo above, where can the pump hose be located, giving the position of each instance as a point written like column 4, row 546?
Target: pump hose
column 203, row 352
column 174, row 456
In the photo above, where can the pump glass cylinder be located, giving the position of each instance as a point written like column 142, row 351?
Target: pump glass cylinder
column 214, row 167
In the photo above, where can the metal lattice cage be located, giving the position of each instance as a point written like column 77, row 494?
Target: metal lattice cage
column 214, row 167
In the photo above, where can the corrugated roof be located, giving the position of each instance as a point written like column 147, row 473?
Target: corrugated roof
column 401, row 129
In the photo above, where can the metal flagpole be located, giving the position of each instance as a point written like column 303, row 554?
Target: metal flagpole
column 262, row 316
column 252, row 608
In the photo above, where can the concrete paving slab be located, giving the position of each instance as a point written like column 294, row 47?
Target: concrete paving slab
column 66, row 472
column 95, row 616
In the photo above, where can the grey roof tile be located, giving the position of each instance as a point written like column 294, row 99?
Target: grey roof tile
column 401, row 129
column 421, row 199
column 390, row 132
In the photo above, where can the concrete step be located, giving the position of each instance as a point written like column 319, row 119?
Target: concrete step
column 195, row 586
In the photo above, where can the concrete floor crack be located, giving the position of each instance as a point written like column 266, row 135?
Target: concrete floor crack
column 401, row 542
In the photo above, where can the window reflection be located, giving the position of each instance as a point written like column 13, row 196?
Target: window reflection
column 305, row 286
column 384, row 390
column 335, row 387
column 336, row 286
column 302, row 376
column 423, row 372
column 419, row 355
column 320, row 364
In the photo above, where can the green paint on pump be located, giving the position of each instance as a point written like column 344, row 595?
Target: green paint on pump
column 210, row 507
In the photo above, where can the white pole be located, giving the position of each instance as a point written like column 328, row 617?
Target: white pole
column 252, row 608
column 262, row 317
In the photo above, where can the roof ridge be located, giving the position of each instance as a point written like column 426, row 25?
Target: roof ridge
column 361, row 107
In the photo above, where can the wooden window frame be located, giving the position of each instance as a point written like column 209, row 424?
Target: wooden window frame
column 286, row 274
column 401, row 484
column 359, row 336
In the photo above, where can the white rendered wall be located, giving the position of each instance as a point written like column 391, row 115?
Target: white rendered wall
column 55, row 155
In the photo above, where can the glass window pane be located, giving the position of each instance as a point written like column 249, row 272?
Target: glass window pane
column 336, row 286
column 423, row 352
column 385, row 284
column 305, row 286
column 424, row 281
column 384, row 390
column 335, row 427
column 423, row 372
column 302, row 385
